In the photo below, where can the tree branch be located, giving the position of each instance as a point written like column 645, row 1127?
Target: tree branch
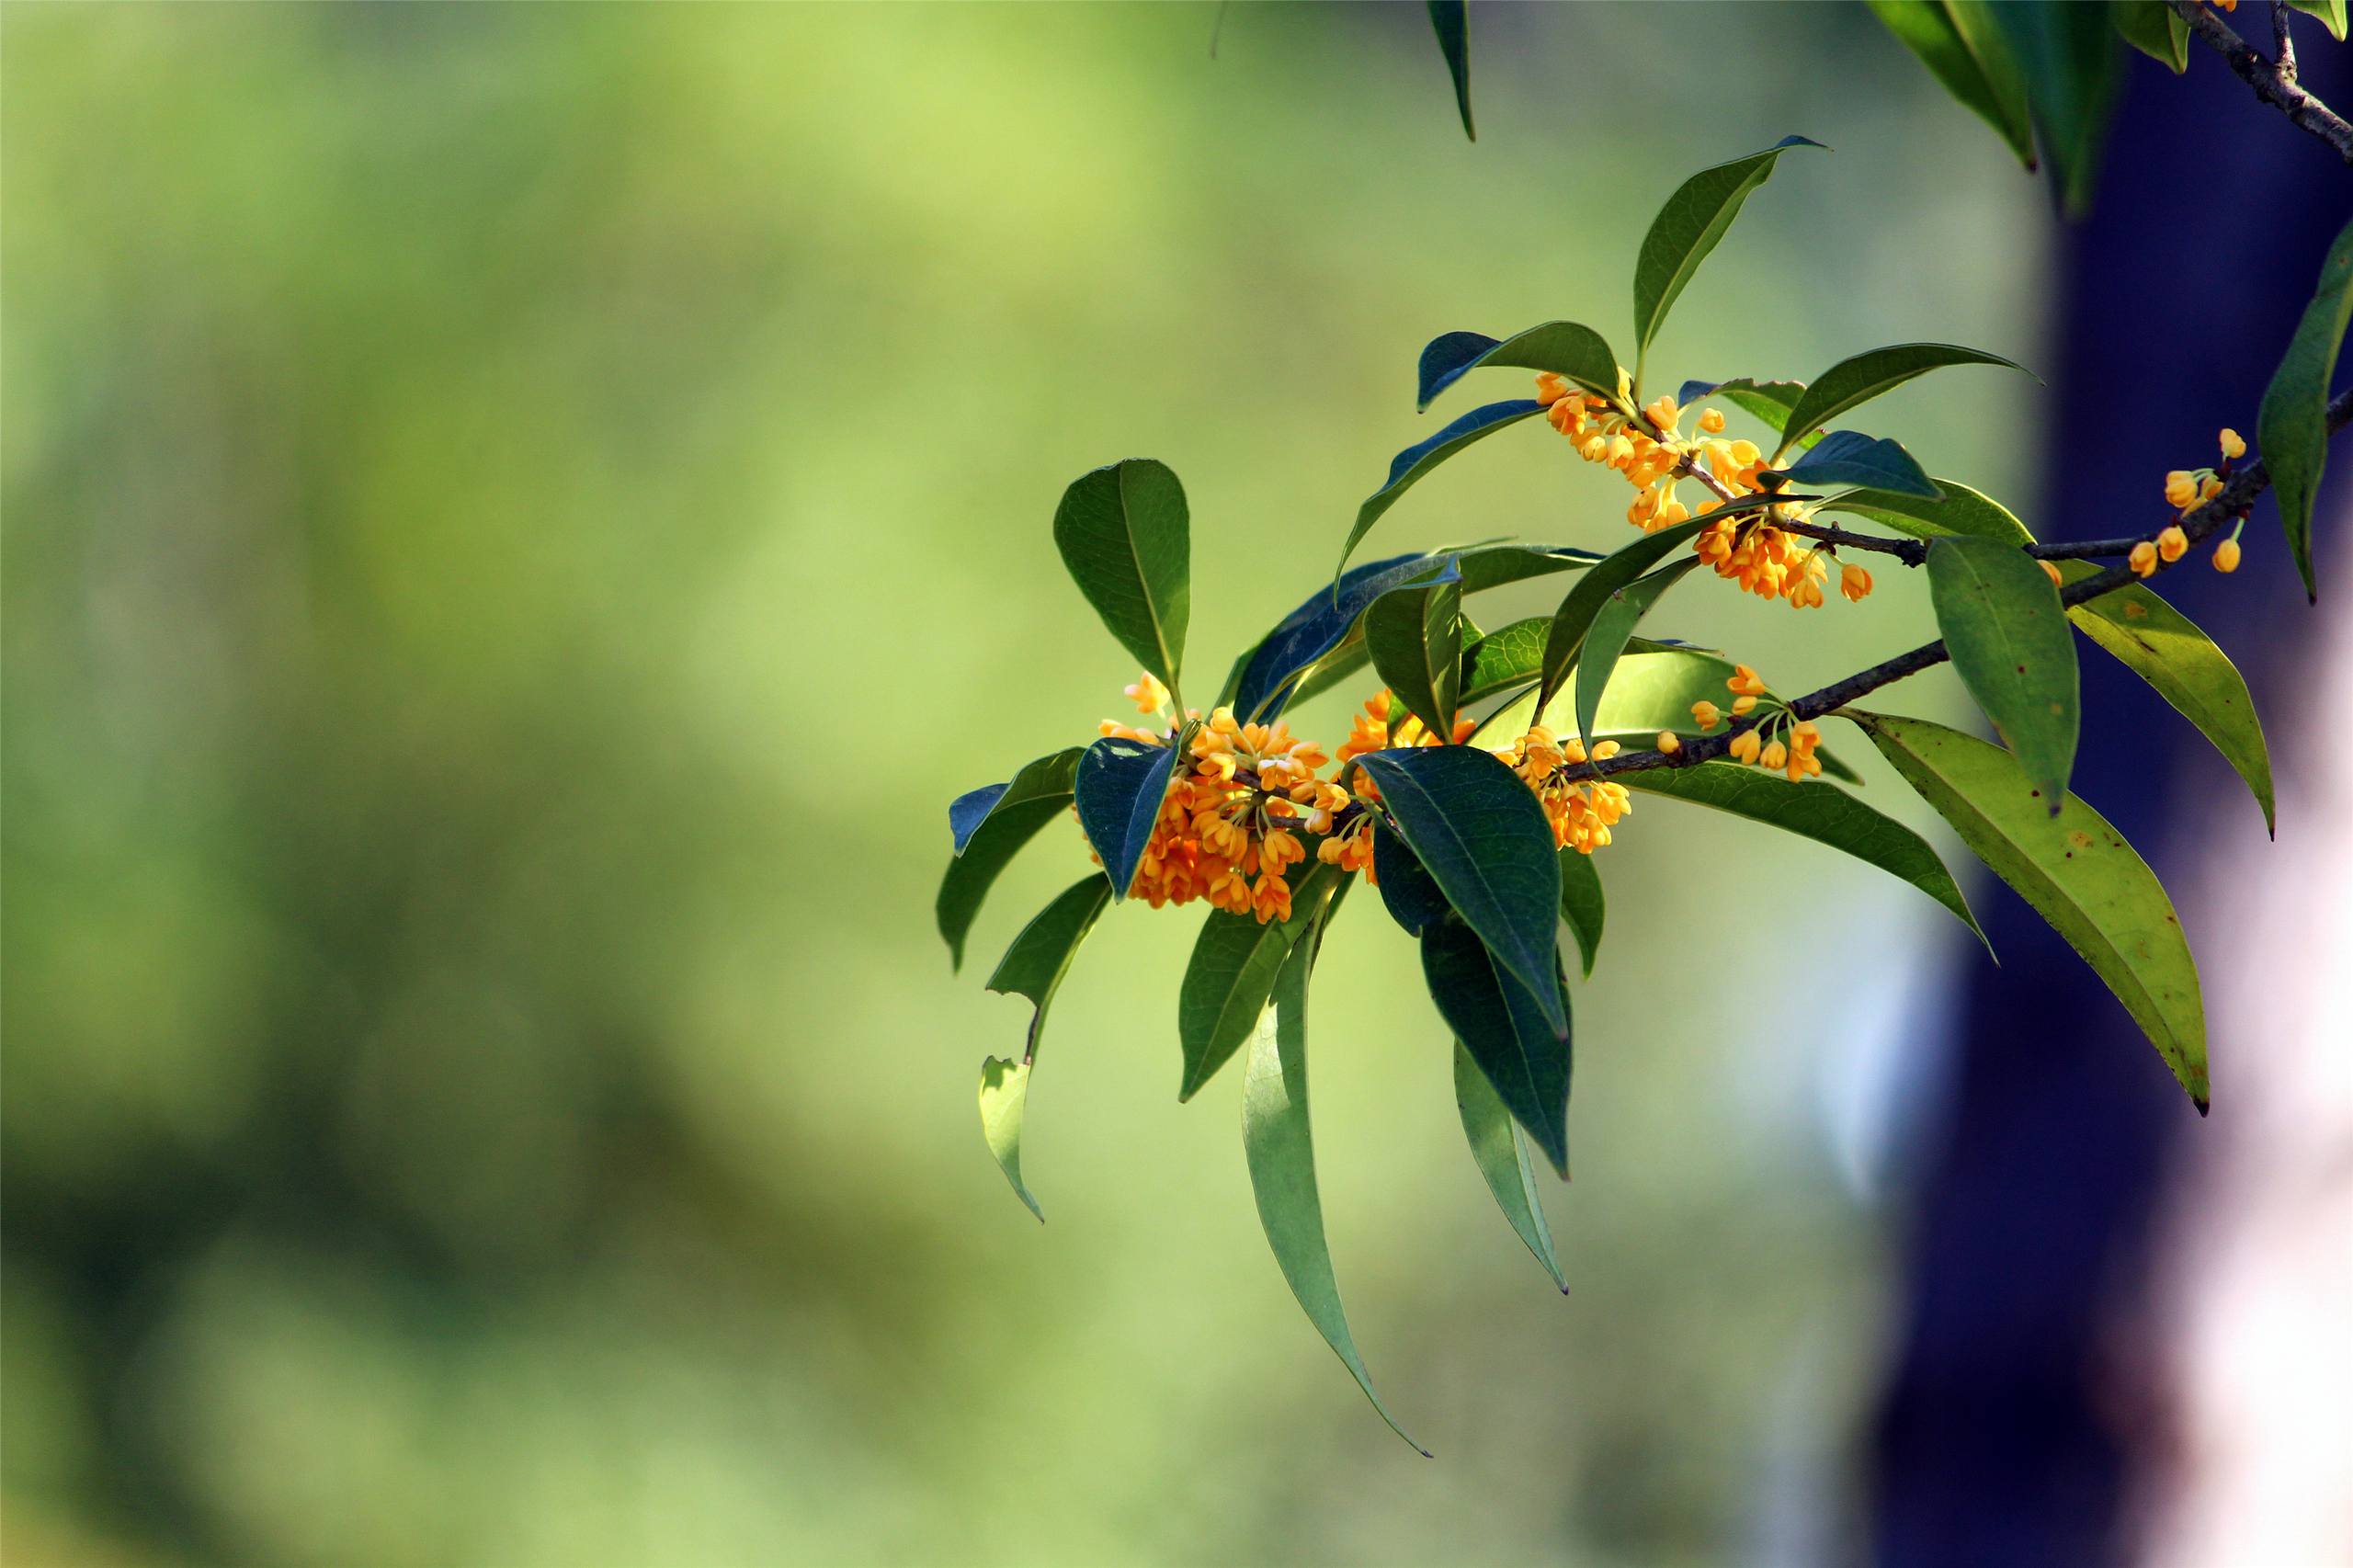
column 2275, row 84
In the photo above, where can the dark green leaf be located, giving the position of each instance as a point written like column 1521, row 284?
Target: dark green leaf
column 1479, row 832
column 1502, row 1160
column 2156, row 28
column 1985, row 79
column 1451, row 19
column 1688, row 227
column 2001, row 618
column 1280, row 1147
column 1232, row 974
column 1415, row 636
column 1410, row 465
column 1612, row 625
column 1504, row 658
column 2075, row 871
column 2165, row 648
column 1823, row 813
column 1119, row 787
column 2330, row 12
column 1412, row 899
column 1124, row 535
column 989, row 826
column 2293, row 426
column 1505, row 1029
column 2068, row 55
column 1958, row 510
column 1582, row 906
column 1033, row 967
column 1574, row 618
column 1766, row 402
column 1568, row 349
column 1864, row 377
column 1846, row 457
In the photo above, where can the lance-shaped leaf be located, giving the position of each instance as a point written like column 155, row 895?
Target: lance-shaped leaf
column 1963, row 50
column 1612, row 625
column 1652, row 690
column 1569, row 349
column 1415, row 635
column 1232, row 974
column 2330, row 12
column 1823, row 813
column 1033, row 967
column 1766, row 402
column 2156, row 28
column 1408, row 467
column 2292, row 424
column 1576, row 616
column 1856, row 380
column 1582, row 906
column 1451, row 20
column 1119, row 787
column 2068, row 57
column 1502, row 1160
column 1280, row 1147
column 1411, row 896
column 1688, row 227
column 1513, row 656
column 2166, row 649
column 1957, row 509
column 1505, row 1029
column 2077, row 872
column 1481, row 837
column 989, row 826
column 1848, row 457
column 2001, row 619
column 1124, row 535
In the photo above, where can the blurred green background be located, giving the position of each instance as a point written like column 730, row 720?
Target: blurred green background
column 517, row 522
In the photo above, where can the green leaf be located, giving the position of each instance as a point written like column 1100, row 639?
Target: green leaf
column 1524, row 1058
column 1415, row 635
column 1479, row 832
column 1568, row 349
column 1232, row 974
column 2001, row 617
column 1846, row 457
column 2292, row 424
column 2330, row 12
column 1280, row 1147
column 2166, row 649
column 2068, row 56
column 1033, row 967
column 1823, row 813
column 1768, row 402
column 1864, row 377
column 1124, row 535
column 1986, row 82
column 2156, row 28
column 1612, row 625
column 1451, row 19
column 1575, row 618
column 1502, row 1160
column 1407, row 891
column 1119, row 787
column 989, row 828
column 1688, row 227
column 1408, row 467
column 2076, row 871
column 1958, row 510
column 1504, row 658
column 1583, row 908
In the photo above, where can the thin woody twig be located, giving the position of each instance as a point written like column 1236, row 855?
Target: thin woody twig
column 2274, row 83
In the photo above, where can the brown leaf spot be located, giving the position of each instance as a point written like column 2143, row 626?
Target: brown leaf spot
column 2135, row 612
column 2080, row 839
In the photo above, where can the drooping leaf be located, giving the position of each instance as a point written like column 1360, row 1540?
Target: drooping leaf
column 1232, row 974
column 1505, row 1029
column 1124, row 534
column 2002, row 619
column 1848, row 457
column 1575, row 618
column 1412, row 898
column 1481, row 837
column 989, row 826
column 2068, row 55
column 1987, row 81
column 1768, row 402
column 1583, row 909
column 1485, row 567
column 1033, row 967
column 1568, row 349
column 1958, row 510
column 1451, row 19
column 1119, row 787
column 2330, row 12
column 1502, row 1159
column 1823, row 813
column 1408, row 467
column 1612, row 625
column 1688, row 227
column 2077, row 872
column 2156, row 28
column 1858, row 380
column 1415, row 636
column 1280, row 1147
column 2166, row 649
column 2292, row 424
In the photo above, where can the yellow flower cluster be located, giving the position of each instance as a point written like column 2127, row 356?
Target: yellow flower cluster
column 1779, row 743
column 2186, row 490
column 1582, row 810
column 1652, row 453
